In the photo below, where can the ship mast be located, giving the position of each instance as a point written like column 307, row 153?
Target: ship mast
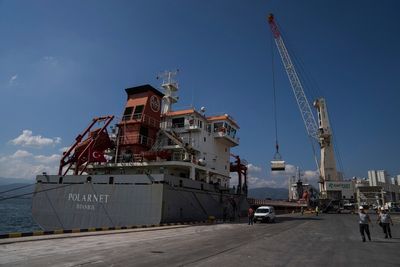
column 170, row 90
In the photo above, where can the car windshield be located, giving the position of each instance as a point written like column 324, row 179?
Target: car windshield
column 262, row 210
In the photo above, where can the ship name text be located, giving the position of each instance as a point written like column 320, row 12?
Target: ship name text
column 100, row 198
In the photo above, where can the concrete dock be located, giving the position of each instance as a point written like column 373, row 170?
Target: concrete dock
column 295, row 240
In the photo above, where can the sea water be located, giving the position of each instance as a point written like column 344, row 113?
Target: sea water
column 16, row 216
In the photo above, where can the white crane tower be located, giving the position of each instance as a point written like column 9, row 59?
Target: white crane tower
column 320, row 132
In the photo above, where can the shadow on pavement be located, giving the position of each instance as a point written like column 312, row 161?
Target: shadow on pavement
column 305, row 218
column 381, row 241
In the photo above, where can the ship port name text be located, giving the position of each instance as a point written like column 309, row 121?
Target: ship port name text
column 88, row 198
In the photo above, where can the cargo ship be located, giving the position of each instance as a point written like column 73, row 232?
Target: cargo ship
column 155, row 165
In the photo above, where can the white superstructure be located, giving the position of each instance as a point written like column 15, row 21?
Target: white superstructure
column 205, row 141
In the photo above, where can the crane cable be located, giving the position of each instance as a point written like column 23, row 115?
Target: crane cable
column 277, row 155
column 17, row 188
column 34, row 192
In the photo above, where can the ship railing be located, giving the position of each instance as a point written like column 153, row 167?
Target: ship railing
column 230, row 136
column 180, row 126
column 143, row 118
column 128, row 139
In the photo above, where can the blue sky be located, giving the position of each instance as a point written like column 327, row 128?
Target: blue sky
column 64, row 62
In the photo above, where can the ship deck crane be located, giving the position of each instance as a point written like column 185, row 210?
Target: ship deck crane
column 320, row 132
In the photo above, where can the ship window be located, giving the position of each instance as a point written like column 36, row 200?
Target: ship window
column 60, row 180
column 127, row 113
column 138, row 112
column 200, row 124
column 218, row 126
column 209, row 128
column 233, row 132
column 205, row 139
column 180, row 183
column 202, row 187
column 178, row 122
column 89, row 179
column 111, row 180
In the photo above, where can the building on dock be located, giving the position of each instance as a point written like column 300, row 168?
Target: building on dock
column 390, row 185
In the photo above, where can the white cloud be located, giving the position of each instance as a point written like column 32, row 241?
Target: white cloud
column 47, row 159
column 27, row 139
column 253, row 168
column 13, row 79
column 23, row 164
column 50, row 60
column 64, row 149
column 255, row 182
column 21, row 154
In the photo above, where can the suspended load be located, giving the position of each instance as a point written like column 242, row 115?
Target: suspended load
column 277, row 164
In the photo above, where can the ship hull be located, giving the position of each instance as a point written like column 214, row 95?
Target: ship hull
column 80, row 203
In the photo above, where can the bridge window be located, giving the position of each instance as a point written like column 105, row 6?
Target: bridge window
column 218, row 126
column 178, row 122
column 138, row 112
column 127, row 113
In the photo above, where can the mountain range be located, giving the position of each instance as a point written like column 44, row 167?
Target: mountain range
column 269, row 193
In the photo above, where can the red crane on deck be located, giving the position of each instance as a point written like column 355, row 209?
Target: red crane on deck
column 89, row 150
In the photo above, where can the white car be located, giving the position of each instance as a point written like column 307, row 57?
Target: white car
column 264, row 214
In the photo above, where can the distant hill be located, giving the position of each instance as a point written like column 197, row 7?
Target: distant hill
column 268, row 192
column 4, row 181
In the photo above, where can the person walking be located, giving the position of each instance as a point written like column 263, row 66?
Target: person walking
column 250, row 214
column 364, row 221
column 378, row 213
column 385, row 219
column 316, row 210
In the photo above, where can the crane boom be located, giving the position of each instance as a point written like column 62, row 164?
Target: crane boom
column 304, row 106
column 320, row 132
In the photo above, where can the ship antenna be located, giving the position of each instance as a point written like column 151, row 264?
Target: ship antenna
column 170, row 87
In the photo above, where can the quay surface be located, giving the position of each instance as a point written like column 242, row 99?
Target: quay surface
column 308, row 240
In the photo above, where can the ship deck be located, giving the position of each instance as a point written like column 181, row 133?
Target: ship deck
column 308, row 240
